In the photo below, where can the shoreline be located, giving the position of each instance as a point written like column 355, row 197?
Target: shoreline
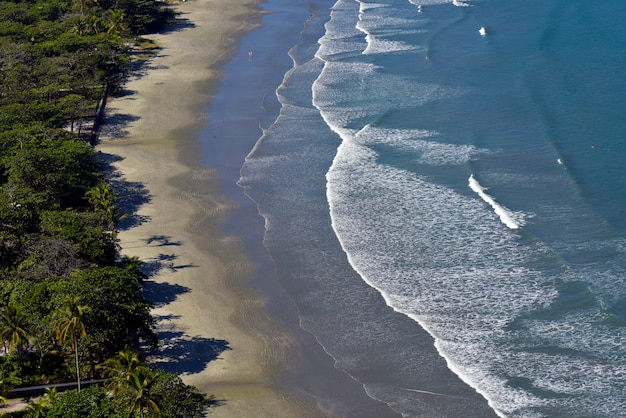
column 212, row 327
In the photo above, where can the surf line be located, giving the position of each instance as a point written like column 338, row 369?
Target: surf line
column 505, row 215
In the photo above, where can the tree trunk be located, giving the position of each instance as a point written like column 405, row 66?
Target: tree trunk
column 77, row 368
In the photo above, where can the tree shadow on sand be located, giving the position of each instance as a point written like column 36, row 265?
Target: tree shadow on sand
column 162, row 241
column 163, row 262
column 178, row 24
column 130, row 195
column 115, row 125
column 183, row 354
column 161, row 294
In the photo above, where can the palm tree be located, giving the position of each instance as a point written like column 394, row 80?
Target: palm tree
column 102, row 198
column 95, row 24
column 130, row 379
column 69, row 325
column 40, row 406
column 136, row 394
column 14, row 328
column 116, row 21
column 51, row 396
column 81, row 25
column 119, row 370
column 4, row 389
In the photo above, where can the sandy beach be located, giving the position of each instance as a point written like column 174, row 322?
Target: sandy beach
column 211, row 326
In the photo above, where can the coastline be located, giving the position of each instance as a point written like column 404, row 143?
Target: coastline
column 211, row 326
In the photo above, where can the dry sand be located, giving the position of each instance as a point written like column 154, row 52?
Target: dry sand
column 212, row 327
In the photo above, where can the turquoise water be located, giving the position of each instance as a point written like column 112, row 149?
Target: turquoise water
column 471, row 177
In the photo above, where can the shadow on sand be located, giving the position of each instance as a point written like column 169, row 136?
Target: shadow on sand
column 162, row 263
column 183, row 354
column 161, row 294
column 177, row 352
column 115, row 126
column 130, row 195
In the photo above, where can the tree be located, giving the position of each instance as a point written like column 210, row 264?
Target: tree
column 39, row 407
column 69, row 325
column 130, row 381
column 74, row 107
column 136, row 394
column 130, row 377
column 52, row 175
column 4, row 391
column 176, row 399
column 116, row 21
column 119, row 370
column 121, row 314
column 86, row 231
column 14, row 328
column 91, row 402
column 102, row 198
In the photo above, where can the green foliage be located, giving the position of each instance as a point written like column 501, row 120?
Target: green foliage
column 91, row 402
column 14, row 217
column 102, row 199
column 11, row 370
column 60, row 278
column 53, row 175
column 86, row 231
column 69, row 325
column 18, row 369
column 23, row 115
column 15, row 328
column 143, row 16
column 144, row 392
column 120, row 314
column 70, row 320
column 176, row 399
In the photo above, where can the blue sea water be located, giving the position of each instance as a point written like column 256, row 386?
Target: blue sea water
column 463, row 162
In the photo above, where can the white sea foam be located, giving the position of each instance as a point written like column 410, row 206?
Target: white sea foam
column 443, row 258
column 421, row 142
column 363, row 6
column 428, row 2
column 511, row 219
column 342, row 37
column 378, row 46
column 376, row 30
column 370, row 210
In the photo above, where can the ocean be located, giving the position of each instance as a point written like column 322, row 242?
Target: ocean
column 454, row 167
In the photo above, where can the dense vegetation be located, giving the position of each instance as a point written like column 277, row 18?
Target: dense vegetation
column 70, row 307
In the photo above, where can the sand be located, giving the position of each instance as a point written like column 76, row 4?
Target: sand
column 212, row 327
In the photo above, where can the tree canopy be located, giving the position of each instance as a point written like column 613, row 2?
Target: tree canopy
column 68, row 302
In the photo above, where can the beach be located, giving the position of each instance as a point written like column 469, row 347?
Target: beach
column 211, row 327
